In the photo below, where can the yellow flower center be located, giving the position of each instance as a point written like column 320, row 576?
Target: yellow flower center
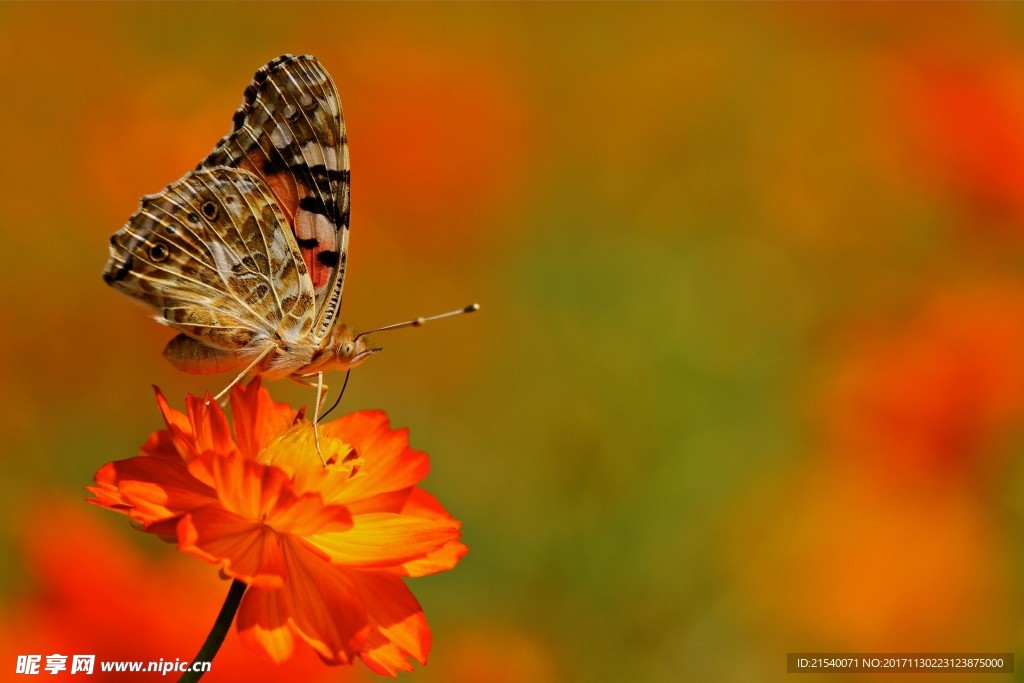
column 295, row 452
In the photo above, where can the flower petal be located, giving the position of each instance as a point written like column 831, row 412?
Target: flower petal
column 399, row 627
column 419, row 503
column 258, row 418
column 306, row 515
column 243, row 548
column 179, row 429
column 389, row 463
column 440, row 560
column 384, row 540
column 326, row 608
column 203, row 429
column 264, row 492
column 210, row 427
column 149, row 489
column 263, row 624
column 160, row 444
column 245, row 487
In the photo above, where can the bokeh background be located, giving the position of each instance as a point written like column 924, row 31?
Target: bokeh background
column 749, row 373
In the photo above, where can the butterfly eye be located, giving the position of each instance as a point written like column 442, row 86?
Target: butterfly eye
column 345, row 349
column 210, row 210
column 159, row 252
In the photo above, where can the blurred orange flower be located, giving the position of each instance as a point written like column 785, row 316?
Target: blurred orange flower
column 322, row 548
column 93, row 592
column 488, row 651
column 880, row 539
column 935, row 398
column 843, row 563
column 959, row 119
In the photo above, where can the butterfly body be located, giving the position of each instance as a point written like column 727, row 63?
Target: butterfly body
column 245, row 255
column 300, row 359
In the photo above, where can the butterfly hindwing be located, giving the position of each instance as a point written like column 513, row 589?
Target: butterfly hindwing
column 290, row 132
column 212, row 253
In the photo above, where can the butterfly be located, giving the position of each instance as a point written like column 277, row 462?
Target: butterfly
column 245, row 255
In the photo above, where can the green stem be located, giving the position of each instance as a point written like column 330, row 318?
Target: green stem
column 220, row 629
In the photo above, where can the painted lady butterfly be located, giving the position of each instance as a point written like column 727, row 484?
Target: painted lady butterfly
column 245, row 255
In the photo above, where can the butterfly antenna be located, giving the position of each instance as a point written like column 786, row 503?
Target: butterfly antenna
column 337, row 400
column 420, row 321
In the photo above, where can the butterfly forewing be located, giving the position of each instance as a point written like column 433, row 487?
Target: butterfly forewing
column 290, row 132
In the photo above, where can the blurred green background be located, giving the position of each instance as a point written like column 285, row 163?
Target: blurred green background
column 749, row 373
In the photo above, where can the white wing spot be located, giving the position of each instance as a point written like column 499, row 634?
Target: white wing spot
column 223, row 257
column 313, row 153
column 308, row 224
column 331, row 159
column 281, row 136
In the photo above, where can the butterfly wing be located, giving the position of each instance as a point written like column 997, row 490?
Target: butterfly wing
column 290, row 133
column 213, row 254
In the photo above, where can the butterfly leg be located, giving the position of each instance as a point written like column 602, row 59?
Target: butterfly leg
column 309, row 384
column 321, row 396
column 259, row 359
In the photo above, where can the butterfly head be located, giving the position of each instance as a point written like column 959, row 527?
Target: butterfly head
column 351, row 351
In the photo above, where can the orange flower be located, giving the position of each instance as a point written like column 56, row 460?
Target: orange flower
column 322, row 548
column 959, row 110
